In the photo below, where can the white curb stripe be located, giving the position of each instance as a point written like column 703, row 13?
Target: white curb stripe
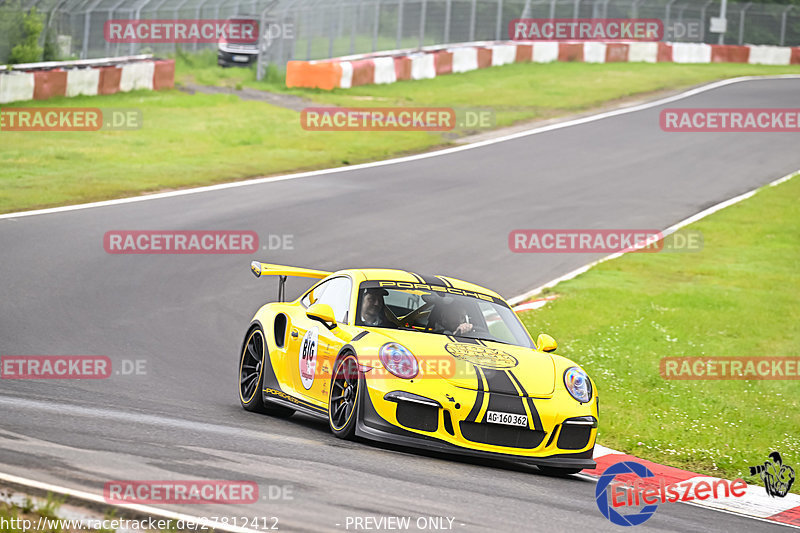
column 154, row 511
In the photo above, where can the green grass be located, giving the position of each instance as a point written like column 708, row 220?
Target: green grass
column 517, row 92
column 739, row 296
column 190, row 140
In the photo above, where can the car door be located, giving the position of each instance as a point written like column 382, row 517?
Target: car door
column 316, row 345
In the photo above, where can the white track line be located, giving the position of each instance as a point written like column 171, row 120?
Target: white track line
column 146, row 509
column 516, row 300
column 417, row 157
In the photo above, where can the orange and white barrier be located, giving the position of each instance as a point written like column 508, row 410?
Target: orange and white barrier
column 429, row 62
column 41, row 81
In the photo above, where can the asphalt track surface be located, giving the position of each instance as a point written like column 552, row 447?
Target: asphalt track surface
column 185, row 315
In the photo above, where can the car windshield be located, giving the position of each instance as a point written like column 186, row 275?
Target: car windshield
column 440, row 310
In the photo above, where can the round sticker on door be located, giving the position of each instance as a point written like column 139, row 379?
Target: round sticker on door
column 308, row 357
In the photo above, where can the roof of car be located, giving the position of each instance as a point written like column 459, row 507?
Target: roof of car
column 388, row 274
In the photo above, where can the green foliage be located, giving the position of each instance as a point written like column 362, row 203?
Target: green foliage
column 28, row 50
column 51, row 51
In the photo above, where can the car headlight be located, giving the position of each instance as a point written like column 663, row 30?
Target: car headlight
column 578, row 384
column 398, row 360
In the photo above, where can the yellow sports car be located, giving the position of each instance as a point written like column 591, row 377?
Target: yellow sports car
column 423, row 361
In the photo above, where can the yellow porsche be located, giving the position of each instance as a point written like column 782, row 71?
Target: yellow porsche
column 423, row 361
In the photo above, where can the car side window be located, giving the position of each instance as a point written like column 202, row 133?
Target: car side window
column 336, row 294
column 314, row 294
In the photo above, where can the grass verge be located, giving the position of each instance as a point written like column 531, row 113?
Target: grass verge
column 739, row 296
column 191, row 140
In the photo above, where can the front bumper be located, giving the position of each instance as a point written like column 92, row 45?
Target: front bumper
column 226, row 58
column 371, row 425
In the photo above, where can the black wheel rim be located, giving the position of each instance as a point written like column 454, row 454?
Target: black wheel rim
column 250, row 371
column 344, row 393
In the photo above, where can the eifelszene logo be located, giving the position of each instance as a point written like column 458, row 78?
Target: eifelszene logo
column 777, row 477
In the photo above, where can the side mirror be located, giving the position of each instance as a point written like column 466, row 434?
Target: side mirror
column 546, row 343
column 322, row 312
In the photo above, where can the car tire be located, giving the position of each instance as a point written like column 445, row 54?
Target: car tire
column 343, row 398
column 557, row 471
column 251, row 376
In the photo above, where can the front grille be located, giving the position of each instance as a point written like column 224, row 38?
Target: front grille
column 500, row 435
column 418, row 416
column 574, row 437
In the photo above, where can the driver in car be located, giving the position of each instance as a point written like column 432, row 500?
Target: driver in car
column 372, row 307
column 455, row 320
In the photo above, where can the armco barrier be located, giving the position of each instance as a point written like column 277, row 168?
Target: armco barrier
column 545, row 52
column 435, row 61
column 423, row 66
column 641, row 52
column 16, row 86
column 163, row 75
column 109, row 80
column 465, row 59
column 83, row 81
column 49, row 83
column 770, row 55
column 594, row 52
column 137, row 76
column 41, row 81
column 721, row 53
column 691, row 53
column 617, row 52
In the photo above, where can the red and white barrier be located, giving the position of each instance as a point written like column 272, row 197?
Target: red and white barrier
column 41, row 81
column 137, row 76
column 83, row 81
column 465, row 59
column 16, row 86
column 423, row 66
column 692, row 53
column 440, row 60
column 770, row 55
column 594, row 52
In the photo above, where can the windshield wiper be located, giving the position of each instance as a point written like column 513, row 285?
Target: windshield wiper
column 490, row 340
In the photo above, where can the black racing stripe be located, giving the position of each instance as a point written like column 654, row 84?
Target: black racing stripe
column 451, row 338
column 537, row 421
column 359, row 336
column 505, row 403
column 432, row 280
column 473, row 414
column 445, row 281
column 498, row 381
column 419, row 278
column 466, row 340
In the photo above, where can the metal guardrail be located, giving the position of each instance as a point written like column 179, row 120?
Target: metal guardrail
column 103, row 62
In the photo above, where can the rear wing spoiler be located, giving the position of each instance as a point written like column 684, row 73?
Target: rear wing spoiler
column 282, row 271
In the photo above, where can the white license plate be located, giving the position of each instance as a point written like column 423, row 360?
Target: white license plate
column 509, row 419
column 241, row 59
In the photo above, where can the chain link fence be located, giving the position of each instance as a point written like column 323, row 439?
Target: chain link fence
column 316, row 29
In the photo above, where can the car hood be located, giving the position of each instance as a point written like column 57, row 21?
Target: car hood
column 501, row 368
